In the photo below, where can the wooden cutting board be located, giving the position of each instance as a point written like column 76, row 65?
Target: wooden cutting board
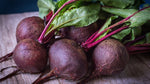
column 137, row 71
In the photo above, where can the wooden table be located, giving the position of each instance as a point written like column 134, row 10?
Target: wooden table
column 137, row 71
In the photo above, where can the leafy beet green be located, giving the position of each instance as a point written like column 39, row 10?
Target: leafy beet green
column 72, row 5
column 120, row 3
column 144, row 39
column 147, row 37
column 135, row 27
column 107, row 24
column 79, row 17
column 136, row 4
column 120, row 35
column 118, row 11
column 129, row 22
column 134, row 32
column 45, row 6
column 42, row 36
column 135, row 22
column 68, row 12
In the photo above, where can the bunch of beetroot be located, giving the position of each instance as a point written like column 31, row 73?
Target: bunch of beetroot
column 81, row 39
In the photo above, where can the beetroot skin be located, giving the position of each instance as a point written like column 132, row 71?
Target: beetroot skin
column 68, row 59
column 79, row 34
column 30, row 27
column 30, row 56
column 109, row 57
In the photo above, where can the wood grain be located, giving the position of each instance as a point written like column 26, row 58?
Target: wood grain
column 137, row 71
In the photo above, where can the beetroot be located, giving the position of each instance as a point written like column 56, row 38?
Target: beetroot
column 30, row 27
column 79, row 34
column 30, row 56
column 109, row 57
column 67, row 60
column 72, row 62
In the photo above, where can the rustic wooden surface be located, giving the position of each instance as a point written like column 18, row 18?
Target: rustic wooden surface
column 137, row 71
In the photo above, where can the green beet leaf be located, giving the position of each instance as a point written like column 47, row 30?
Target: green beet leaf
column 148, row 37
column 118, row 3
column 120, row 12
column 107, row 24
column 69, row 6
column 79, row 17
column 136, row 21
column 139, row 42
column 136, row 31
column 144, row 40
column 120, row 35
column 140, row 18
column 136, row 4
column 45, row 6
column 77, row 3
column 61, row 2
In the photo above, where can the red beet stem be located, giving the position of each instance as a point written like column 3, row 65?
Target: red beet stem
column 134, row 41
column 141, row 48
column 143, row 45
column 103, row 38
column 51, row 19
column 134, row 48
column 90, row 38
column 48, row 37
column 6, row 57
column 49, row 15
column 140, row 52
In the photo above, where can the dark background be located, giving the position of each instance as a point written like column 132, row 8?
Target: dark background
column 18, row 6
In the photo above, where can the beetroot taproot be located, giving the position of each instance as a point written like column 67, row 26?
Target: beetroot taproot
column 71, row 60
column 109, row 57
column 30, row 56
column 30, row 27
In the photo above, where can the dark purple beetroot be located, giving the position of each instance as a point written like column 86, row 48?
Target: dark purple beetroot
column 30, row 56
column 109, row 57
column 30, row 27
column 80, row 34
column 67, row 61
